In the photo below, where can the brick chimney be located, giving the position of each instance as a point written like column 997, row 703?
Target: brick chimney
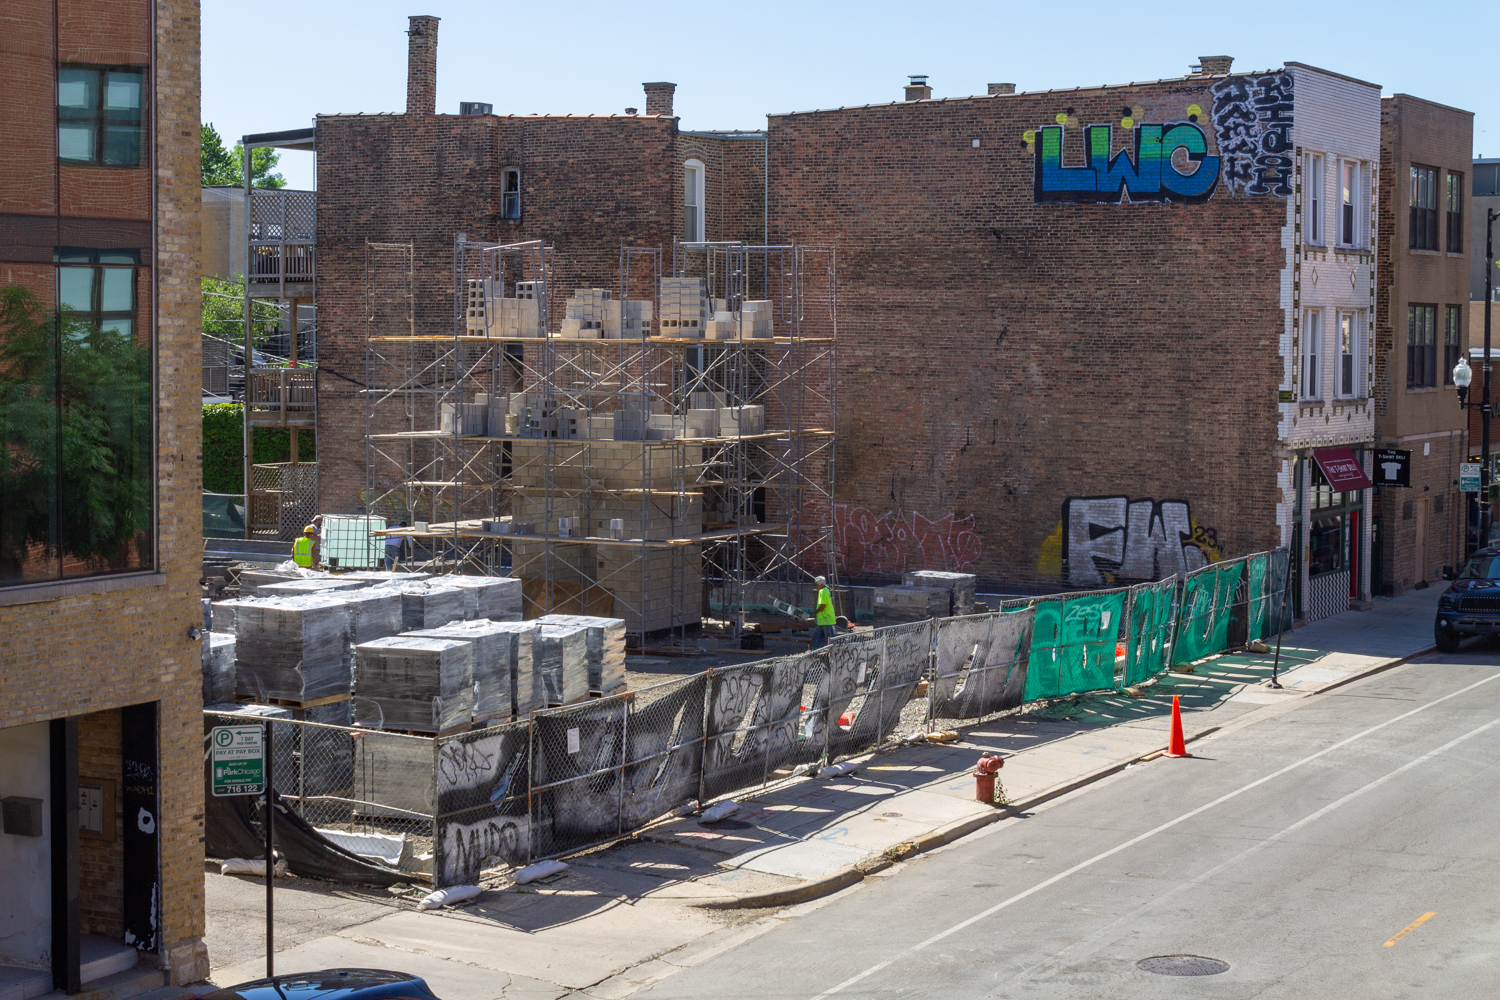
column 421, row 65
column 1002, row 88
column 659, row 98
column 1214, row 65
column 917, row 89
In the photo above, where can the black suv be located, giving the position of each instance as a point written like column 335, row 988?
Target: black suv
column 1471, row 605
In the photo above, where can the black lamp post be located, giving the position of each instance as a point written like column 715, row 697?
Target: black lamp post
column 1463, row 374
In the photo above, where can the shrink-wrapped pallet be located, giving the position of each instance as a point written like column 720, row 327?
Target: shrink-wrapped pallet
column 428, row 605
column 961, row 585
column 291, row 648
column 373, row 614
column 413, row 682
column 314, row 585
column 379, row 577
column 218, row 667
column 525, row 682
column 606, row 648
column 493, row 654
column 562, row 661
column 497, row 598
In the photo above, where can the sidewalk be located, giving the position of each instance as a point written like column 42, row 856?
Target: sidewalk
column 641, row 909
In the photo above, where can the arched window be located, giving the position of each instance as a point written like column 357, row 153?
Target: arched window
column 510, row 193
column 692, row 202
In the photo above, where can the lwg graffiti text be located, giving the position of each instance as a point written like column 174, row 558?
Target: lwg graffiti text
column 1108, row 540
column 1148, row 174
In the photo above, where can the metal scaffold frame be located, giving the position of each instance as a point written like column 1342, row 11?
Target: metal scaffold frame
column 656, row 527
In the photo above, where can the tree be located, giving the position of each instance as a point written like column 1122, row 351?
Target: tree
column 222, row 167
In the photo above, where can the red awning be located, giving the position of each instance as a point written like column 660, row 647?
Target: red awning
column 1342, row 469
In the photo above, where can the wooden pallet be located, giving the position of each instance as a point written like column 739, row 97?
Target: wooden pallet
column 332, row 699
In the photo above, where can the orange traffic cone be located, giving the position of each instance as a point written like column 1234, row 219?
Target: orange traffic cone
column 1177, row 746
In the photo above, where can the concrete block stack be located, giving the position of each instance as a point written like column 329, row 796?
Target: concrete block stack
column 291, row 648
column 898, row 604
column 960, row 586
column 312, row 585
column 757, row 318
column 488, row 597
column 414, row 682
column 584, row 314
column 492, row 653
column 684, row 310
column 606, row 649
column 218, row 667
column 428, row 605
column 561, row 659
column 525, row 684
column 373, row 614
column 474, row 418
column 737, row 421
column 489, row 312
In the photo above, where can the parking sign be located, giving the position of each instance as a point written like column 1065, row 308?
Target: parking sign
column 237, row 755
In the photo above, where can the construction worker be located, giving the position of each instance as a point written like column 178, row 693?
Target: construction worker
column 303, row 548
column 824, row 630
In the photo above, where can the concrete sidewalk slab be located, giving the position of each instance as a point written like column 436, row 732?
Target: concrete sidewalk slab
column 810, row 859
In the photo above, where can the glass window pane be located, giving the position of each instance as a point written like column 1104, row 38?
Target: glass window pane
column 75, row 288
column 117, row 289
column 122, row 91
column 122, row 145
column 28, row 441
column 122, row 326
column 77, row 89
column 75, row 142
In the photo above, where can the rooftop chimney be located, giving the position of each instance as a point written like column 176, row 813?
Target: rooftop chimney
column 659, row 98
column 421, row 65
column 1214, row 65
column 1002, row 88
column 917, row 89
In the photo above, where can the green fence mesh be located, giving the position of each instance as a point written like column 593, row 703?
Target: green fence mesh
column 1152, row 614
column 1073, row 644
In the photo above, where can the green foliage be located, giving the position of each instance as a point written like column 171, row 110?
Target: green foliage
column 223, row 447
column 224, row 312
column 223, row 168
column 75, row 436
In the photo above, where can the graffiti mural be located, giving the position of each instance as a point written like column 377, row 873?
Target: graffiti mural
column 891, row 543
column 1150, row 172
column 1253, row 126
column 1113, row 540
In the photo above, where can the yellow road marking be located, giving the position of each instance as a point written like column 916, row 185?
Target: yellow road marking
column 1409, row 928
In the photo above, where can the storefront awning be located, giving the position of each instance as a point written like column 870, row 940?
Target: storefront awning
column 1342, row 469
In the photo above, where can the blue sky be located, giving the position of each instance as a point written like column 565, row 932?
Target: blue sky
column 274, row 64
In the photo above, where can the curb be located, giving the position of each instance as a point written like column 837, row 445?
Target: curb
column 845, row 877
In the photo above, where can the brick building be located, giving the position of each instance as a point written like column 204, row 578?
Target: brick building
column 584, row 184
column 1074, row 323
column 1420, row 331
column 100, row 731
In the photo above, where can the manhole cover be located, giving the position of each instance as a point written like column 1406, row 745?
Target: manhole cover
column 1182, row 965
column 891, row 815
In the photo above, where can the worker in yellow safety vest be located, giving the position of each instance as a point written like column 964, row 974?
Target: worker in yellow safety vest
column 826, row 620
column 303, row 549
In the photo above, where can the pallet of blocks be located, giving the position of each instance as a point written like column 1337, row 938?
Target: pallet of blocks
column 525, row 681
column 414, row 682
column 428, row 605
column 561, row 658
column 218, row 667
column 497, row 598
column 900, row 604
column 961, row 585
column 493, row 649
column 311, row 585
column 606, row 649
column 373, row 614
column 291, row 649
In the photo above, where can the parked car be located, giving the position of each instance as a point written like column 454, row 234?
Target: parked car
column 1471, row 604
column 331, row 984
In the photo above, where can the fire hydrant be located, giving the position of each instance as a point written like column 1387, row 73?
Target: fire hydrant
column 984, row 777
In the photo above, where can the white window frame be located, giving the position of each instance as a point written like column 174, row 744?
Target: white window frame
column 505, row 175
column 1311, row 377
column 1355, row 200
column 1317, row 181
column 1347, row 378
column 693, row 174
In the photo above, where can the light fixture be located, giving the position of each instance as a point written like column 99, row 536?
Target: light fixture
column 1462, row 376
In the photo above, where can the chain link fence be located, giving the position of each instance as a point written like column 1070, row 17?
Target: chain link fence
column 573, row 777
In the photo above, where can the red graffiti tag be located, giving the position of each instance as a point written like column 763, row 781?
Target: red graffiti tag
column 888, row 544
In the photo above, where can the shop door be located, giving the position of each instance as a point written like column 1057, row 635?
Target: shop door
column 1419, row 550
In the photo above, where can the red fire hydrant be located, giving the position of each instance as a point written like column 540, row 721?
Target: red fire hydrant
column 984, row 777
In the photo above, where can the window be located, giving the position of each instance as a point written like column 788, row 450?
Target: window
column 76, row 410
column 1315, row 183
column 1452, row 341
column 99, row 115
column 1349, row 202
column 1348, row 354
column 1421, row 347
column 1312, row 344
column 692, row 202
column 1455, row 212
column 1486, row 179
column 1423, row 198
column 510, row 193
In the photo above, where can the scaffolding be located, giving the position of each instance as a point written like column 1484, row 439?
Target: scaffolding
column 596, row 445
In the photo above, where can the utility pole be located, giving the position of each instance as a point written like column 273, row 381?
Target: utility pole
column 1484, row 405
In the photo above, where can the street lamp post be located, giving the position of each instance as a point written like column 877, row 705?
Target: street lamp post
column 1463, row 375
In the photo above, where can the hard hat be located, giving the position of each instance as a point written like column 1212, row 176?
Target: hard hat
column 309, row 530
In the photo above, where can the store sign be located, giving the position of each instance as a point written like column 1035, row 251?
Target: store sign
column 1468, row 477
column 1393, row 467
column 238, row 758
column 1342, row 469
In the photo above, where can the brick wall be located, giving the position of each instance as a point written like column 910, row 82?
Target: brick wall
column 999, row 356
column 101, row 863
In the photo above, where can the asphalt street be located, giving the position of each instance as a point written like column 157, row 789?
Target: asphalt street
column 1342, row 846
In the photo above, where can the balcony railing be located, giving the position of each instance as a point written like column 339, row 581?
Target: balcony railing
column 281, row 232
column 273, row 263
column 281, row 397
